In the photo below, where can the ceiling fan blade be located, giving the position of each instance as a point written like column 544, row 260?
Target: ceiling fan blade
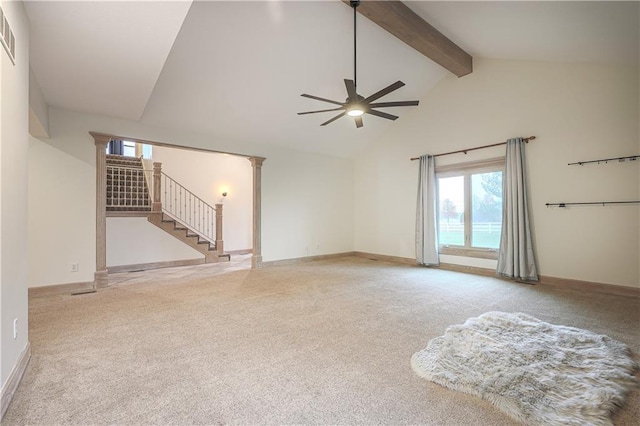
column 322, row 110
column 390, row 88
column 359, row 122
column 393, row 104
column 334, row 118
column 321, row 99
column 382, row 114
column 351, row 90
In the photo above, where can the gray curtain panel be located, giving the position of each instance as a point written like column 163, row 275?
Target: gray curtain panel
column 515, row 258
column 116, row 147
column 426, row 215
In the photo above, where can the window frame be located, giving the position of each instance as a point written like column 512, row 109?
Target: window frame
column 466, row 170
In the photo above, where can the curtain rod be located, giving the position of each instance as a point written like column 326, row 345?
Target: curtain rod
column 605, row 160
column 530, row 138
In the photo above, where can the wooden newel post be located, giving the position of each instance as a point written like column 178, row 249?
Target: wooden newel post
column 157, row 187
column 219, row 242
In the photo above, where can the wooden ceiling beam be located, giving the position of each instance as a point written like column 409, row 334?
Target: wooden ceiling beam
column 408, row 26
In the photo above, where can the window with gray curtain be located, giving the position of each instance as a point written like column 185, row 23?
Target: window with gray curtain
column 426, row 215
column 515, row 256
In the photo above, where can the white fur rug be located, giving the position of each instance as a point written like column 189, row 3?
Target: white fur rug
column 538, row 373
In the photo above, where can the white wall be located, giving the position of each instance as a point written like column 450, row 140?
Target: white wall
column 577, row 111
column 38, row 109
column 14, row 116
column 133, row 240
column 61, row 180
column 207, row 175
column 307, row 206
column 307, row 198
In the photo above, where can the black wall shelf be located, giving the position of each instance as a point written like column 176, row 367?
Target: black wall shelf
column 591, row 203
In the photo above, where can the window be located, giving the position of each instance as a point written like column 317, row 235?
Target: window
column 470, row 208
column 147, row 152
column 128, row 148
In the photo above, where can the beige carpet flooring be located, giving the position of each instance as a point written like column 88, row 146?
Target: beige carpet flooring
column 325, row 342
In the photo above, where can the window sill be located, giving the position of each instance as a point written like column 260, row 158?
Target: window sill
column 469, row 252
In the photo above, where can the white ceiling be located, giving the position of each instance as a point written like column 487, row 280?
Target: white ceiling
column 101, row 57
column 235, row 70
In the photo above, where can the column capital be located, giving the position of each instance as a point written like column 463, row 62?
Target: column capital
column 101, row 138
column 256, row 161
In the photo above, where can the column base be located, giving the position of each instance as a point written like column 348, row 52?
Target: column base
column 256, row 262
column 101, row 279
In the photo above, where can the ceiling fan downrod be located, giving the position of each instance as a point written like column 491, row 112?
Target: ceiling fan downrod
column 354, row 5
column 356, row 105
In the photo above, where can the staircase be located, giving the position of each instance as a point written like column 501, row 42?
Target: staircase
column 189, row 237
column 129, row 190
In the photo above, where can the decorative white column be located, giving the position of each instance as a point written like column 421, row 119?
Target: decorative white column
column 101, row 276
column 256, row 164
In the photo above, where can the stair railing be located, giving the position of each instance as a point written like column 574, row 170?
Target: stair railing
column 177, row 202
column 126, row 193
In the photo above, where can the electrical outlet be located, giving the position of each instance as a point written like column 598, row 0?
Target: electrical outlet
column 74, row 267
column 15, row 328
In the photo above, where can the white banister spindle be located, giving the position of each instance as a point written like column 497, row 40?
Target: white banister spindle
column 190, row 210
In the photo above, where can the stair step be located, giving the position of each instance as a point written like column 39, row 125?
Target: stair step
column 134, row 164
column 206, row 247
column 122, row 159
column 128, row 209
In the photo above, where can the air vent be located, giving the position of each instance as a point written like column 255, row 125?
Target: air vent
column 7, row 38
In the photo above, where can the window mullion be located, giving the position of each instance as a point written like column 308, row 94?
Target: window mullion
column 467, row 210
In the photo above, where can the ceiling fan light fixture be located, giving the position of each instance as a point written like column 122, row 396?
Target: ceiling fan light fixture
column 355, row 111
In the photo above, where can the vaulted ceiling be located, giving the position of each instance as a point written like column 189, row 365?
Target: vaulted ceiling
column 235, row 70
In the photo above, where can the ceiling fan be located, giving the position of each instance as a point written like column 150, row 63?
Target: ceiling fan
column 356, row 105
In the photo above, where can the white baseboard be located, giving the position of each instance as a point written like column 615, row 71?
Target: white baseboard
column 10, row 387
column 49, row 290
column 293, row 261
column 386, row 258
column 168, row 263
column 155, row 265
column 569, row 284
column 239, row 252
